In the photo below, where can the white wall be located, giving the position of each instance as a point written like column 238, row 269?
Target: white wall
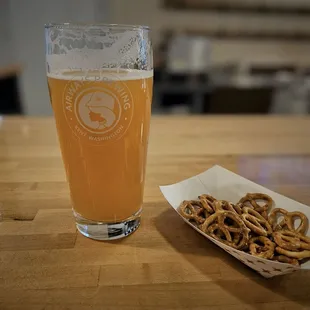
column 6, row 50
column 25, row 33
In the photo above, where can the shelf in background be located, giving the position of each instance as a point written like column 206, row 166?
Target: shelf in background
column 245, row 34
column 236, row 7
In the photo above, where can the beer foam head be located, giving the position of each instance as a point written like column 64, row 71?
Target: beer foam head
column 101, row 75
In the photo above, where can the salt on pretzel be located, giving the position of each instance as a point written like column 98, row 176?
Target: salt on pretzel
column 262, row 247
column 207, row 202
column 288, row 221
column 223, row 205
column 273, row 219
column 251, row 200
column 220, row 234
column 292, row 241
column 256, row 222
column 293, row 254
column 235, row 235
column 193, row 210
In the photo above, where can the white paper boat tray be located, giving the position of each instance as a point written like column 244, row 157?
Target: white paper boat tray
column 226, row 185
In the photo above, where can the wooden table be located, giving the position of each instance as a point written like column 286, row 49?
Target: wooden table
column 46, row 264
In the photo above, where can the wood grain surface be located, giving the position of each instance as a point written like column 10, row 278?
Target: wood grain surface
column 46, row 264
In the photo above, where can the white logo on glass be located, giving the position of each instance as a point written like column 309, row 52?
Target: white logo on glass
column 96, row 111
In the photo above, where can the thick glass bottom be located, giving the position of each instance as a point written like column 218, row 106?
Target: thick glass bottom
column 107, row 231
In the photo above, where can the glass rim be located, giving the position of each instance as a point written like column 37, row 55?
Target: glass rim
column 94, row 26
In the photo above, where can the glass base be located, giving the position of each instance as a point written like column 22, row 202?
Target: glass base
column 107, row 231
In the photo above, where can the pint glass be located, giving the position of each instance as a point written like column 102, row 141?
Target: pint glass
column 100, row 80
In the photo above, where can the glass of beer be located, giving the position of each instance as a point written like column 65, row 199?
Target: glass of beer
column 100, row 80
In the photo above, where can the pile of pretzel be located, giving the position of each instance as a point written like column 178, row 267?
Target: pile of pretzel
column 249, row 226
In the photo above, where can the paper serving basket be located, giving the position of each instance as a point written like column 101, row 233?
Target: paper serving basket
column 226, row 185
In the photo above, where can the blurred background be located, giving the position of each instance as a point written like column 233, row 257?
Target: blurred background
column 210, row 56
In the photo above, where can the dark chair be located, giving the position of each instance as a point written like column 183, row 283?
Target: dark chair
column 10, row 102
column 233, row 100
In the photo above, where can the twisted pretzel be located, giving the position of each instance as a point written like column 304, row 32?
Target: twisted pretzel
column 286, row 260
column 262, row 247
column 250, row 200
column 223, row 205
column 273, row 219
column 193, row 210
column 256, row 222
column 293, row 254
column 207, row 202
column 292, row 241
column 218, row 233
column 289, row 220
column 235, row 235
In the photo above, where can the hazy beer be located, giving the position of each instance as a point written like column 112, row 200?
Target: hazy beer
column 103, row 124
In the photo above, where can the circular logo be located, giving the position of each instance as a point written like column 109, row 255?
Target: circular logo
column 98, row 110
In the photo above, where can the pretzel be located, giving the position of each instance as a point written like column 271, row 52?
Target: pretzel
column 223, row 205
column 236, row 235
column 292, row 241
column 219, row 234
column 286, row 260
column 289, row 220
column 293, row 254
column 207, row 202
column 273, row 218
column 256, row 222
column 262, row 247
column 193, row 210
column 250, row 200
column 207, row 197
